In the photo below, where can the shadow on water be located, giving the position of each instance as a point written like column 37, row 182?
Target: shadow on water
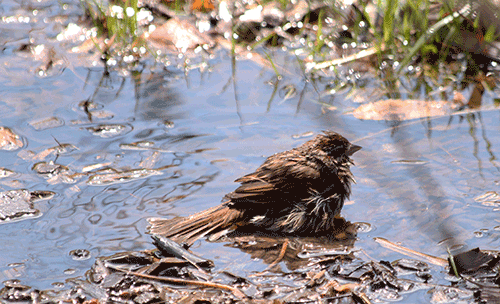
column 425, row 176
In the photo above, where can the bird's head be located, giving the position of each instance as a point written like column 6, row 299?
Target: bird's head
column 335, row 145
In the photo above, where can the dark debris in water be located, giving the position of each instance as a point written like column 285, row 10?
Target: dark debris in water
column 477, row 267
column 18, row 204
column 333, row 277
column 170, row 247
column 155, row 276
column 174, row 278
column 109, row 130
column 411, row 266
column 55, row 173
column 14, row 291
column 471, row 261
column 80, row 254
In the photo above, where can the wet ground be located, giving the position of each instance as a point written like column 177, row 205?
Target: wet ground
column 174, row 142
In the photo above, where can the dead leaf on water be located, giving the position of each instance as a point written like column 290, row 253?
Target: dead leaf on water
column 9, row 140
column 398, row 109
column 46, row 123
column 178, row 33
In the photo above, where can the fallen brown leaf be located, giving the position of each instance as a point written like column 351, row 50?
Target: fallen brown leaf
column 399, row 109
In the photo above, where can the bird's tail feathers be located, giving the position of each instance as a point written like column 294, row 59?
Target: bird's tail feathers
column 189, row 229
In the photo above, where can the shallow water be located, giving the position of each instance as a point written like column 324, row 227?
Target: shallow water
column 417, row 182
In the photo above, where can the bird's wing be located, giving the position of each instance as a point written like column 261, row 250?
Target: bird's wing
column 289, row 170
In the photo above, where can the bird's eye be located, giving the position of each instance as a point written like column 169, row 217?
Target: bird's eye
column 333, row 150
column 336, row 150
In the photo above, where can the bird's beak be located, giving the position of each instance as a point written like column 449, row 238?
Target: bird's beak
column 353, row 149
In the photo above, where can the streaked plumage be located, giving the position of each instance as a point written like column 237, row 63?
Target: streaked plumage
column 299, row 192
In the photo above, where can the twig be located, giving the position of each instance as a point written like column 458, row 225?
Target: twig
column 278, row 259
column 236, row 292
column 431, row 259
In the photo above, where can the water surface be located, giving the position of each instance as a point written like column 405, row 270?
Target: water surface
column 418, row 182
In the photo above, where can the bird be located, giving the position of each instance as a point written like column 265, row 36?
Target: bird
column 296, row 192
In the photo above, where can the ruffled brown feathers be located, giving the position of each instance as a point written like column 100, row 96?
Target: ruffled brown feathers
column 299, row 191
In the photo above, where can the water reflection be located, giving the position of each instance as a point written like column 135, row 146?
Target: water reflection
column 296, row 252
column 156, row 95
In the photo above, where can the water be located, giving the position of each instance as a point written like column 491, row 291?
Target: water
column 416, row 181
